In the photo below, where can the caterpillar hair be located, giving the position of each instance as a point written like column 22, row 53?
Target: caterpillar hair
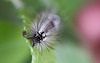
column 43, row 30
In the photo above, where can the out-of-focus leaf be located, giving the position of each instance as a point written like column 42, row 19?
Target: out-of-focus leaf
column 13, row 48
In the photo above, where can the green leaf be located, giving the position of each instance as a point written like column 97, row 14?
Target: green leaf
column 28, row 14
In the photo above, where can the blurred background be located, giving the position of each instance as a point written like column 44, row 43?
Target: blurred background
column 13, row 48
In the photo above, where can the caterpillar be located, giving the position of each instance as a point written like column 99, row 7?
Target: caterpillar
column 43, row 30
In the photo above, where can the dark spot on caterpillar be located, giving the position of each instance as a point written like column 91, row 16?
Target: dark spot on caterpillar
column 50, row 26
column 24, row 34
column 35, row 38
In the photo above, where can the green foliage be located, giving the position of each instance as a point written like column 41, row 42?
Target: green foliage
column 12, row 45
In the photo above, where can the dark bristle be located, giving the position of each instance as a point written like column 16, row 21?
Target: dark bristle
column 24, row 34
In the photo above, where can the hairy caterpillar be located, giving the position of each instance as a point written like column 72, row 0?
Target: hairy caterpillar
column 43, row 29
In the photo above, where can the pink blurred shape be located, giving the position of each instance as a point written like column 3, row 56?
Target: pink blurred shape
column 88, row 24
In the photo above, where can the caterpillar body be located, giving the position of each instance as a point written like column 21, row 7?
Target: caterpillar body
column 43, row 30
